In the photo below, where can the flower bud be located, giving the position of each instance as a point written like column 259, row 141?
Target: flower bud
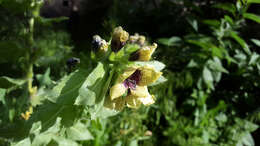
column 137, row 39
column 99, row 44
column 119, row 39
column 143, row 54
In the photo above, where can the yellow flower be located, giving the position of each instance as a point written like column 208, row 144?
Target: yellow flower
column 133, row 82
column 27, row 114
column 119, row 38
column 143, row 54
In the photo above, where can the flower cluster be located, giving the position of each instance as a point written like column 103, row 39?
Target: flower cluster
column 130, row 88
column 133, row 82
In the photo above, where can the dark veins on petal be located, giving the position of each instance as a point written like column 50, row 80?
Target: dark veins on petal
column 133, row 80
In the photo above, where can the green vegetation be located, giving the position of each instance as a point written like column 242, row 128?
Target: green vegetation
column 208, row 52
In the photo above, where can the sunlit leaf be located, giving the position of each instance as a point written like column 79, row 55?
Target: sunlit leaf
column 252, row 16
column 79, row 132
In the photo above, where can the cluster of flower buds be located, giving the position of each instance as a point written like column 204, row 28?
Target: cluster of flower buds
column 130, row 88
column 99, row 44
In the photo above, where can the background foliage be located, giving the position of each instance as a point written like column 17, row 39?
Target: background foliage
column 211, row 96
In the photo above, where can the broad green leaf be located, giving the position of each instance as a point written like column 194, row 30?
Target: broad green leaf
column 252, row 16
column 79, row 132
column 25, row 142
column 134, row 143
column 48, row 112
column 240, row 41
column 172, row 41
column 54, row 93
column 36, row 128
column 45, row 137
column 64, row 141
column 92, row 88
column 246, row 140
column 256, row 42
column 2, row 95
column 44, row 79
column 98, row 110
column 7, row 82
column 104, row 113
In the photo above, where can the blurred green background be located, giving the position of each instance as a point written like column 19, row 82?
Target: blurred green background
column 210, row 48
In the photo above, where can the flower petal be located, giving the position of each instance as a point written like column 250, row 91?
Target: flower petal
column 127, row 73
column 148, row 100
column 140, row 91
column 132, row 101
column 117, row 90
column 148, row 75
column 146, row 52
column 117, row 104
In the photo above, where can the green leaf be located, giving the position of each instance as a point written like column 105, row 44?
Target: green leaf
column 215, row 64
column 240, row 41
column 156, row 64
column 7, row 82
column 90, row 91
column 172, row 41
column 229, row 7
column 45, row 137
column 254, row 58
column 252, row 16
column 50, row 21
column 44, row 79
column 36, row 128
column 228, row 19
column 2, row 95
column 193, row 23
column 134, row 143
column 79, row 132
column 63, row 107
column 207, row 77
column 64, row 141
column 98, row 110
column 212, row 22
column 253, row 1
column 25, row 142
column 246, row 140
column 256, row 42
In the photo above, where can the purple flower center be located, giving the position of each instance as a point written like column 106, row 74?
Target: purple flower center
column 133, row 80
